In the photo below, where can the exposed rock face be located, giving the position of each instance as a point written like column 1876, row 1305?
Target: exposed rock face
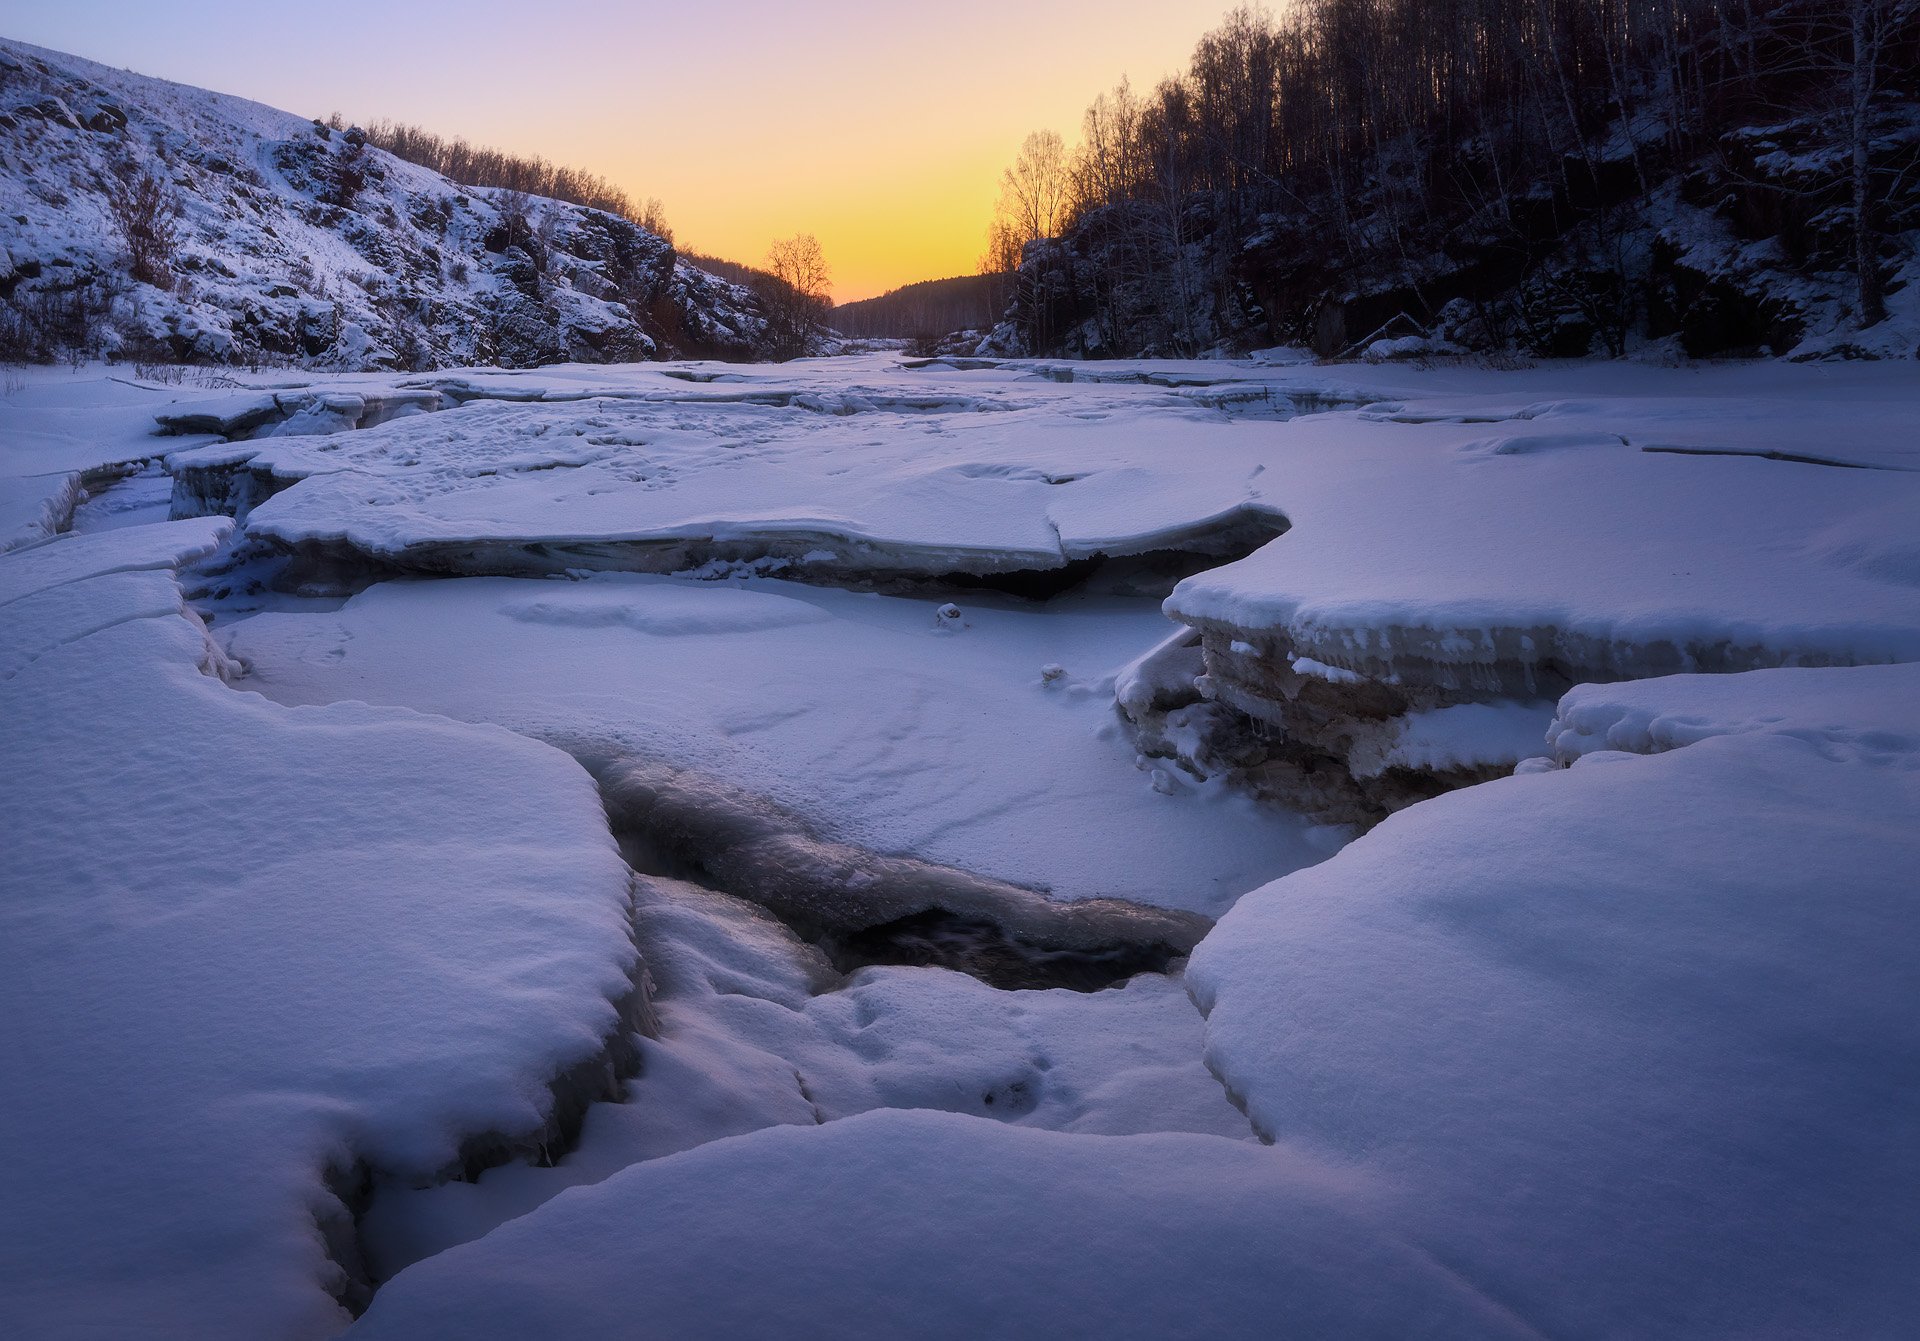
column 296, row 244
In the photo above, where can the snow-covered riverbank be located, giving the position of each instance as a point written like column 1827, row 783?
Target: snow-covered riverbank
column 315, row 902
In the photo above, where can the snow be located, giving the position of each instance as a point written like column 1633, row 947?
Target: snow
column 1633, row 1036
column 757, row 1030
column 1871, row 712
column 1611, row 560
column 61, row 425
column 1465, row 735
column 278, row 262
column 1647, row 545
column 45, row 566
column 855, row 711
column 305, row 895
column 249, row 948
column 1039, row 1235
column 686, row 476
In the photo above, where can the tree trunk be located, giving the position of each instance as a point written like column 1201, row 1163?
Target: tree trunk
column 1866, row 258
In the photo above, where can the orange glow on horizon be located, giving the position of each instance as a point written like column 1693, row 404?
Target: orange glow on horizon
column 878, row 127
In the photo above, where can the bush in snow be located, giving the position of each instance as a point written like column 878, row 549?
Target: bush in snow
column 143, row 210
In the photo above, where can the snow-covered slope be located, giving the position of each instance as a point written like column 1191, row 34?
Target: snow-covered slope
column 304, row 245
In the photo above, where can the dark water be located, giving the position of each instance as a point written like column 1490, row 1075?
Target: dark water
column 940, row 939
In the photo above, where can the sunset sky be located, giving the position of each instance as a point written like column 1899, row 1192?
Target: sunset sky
column 879, row 126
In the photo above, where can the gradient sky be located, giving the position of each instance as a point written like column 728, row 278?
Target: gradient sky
column 880, row 126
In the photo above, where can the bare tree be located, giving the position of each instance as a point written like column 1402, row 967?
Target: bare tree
column 1034, row 191
column 1348, row 150
column 796, row 295
column 477, row 165
column 652, row 216
column 1870, row 25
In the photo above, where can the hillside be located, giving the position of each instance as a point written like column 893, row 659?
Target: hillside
column 1564, row 179
column 270, row 239
column 930, row 308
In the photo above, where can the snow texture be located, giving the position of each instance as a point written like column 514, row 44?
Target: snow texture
column 855, row 712
column 251, row 952
column 937, row 1225
column 757, row 1030
column 1636, row 552
column 1634, row 1037
column 1620, row 1045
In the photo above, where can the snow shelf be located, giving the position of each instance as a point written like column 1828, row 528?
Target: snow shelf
column 1444, row 580
column 941, row 1226
column 670, row 482
column 1636, row 1037
column 1570, row 557
column 250, row 955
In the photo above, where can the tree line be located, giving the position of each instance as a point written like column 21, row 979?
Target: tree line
column 928, row 309
column 1380, row 128
column 526, row 174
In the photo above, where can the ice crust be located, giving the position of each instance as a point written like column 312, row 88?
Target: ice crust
column 1419, row 543
column 1635, row 1036
column 1595, row 561
column 59, row 430
column 1463, row 736
column 674, row 479
column 252, row 952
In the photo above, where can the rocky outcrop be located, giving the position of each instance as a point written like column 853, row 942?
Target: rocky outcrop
column 1739, row 252
column 295, row 244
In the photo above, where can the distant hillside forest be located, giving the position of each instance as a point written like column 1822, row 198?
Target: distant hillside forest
column 932, row 307
column 1553, row 176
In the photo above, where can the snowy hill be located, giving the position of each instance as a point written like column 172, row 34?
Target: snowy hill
column 287, row 242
